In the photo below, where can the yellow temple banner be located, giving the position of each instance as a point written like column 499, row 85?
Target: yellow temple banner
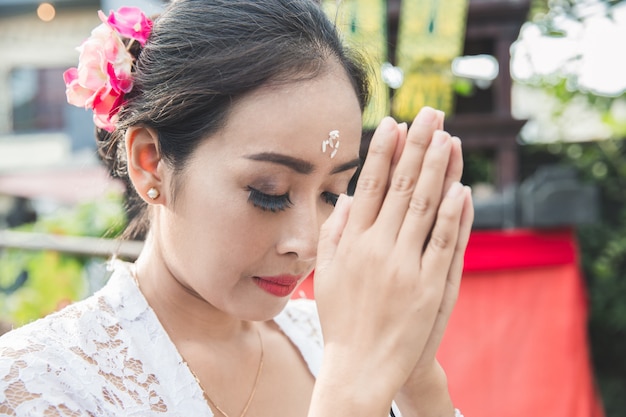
column 431, row 34
column 363, row 26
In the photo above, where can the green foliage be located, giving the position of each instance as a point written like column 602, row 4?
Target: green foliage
column 603, row 246
column 603, row 255
column 463, row 86
column 100, row 218
column 563, row 84
column 604, row 262
column 545, row 12
column 478, row 167
column 55, row 279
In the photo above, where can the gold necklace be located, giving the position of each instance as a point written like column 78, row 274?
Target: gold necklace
column 212, row 403
column 254, row 387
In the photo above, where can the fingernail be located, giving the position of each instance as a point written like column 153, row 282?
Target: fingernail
column 441, row 114
column 388, row 124
column 342, row 200
column 426, row 116
column 455, row 190
column 387, row 129
column 457, row 140
column 439, row 138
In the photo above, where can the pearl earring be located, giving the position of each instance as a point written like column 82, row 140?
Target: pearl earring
column 153, row 193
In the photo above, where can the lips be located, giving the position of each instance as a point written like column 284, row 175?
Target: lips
column 278, row 286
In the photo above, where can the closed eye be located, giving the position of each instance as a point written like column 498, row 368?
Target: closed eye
column 269, row 202
column 330, row 198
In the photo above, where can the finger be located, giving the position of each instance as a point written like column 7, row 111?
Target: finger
column 453, row 282
column 445, row 235
column 406, row 173
column 371, row 185
column 436, row 263
column 402, row 133
column 440, row 117
column 456, row 267
column 331, row 232
column 455, row 165
column 421, row 209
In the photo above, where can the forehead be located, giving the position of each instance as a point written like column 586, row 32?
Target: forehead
column 295, row 119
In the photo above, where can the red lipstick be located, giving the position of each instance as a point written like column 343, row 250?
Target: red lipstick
column 279, row 286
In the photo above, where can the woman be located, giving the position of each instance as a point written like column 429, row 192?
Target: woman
column 239, row 125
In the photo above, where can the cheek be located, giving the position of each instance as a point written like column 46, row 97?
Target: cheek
column 215, row 227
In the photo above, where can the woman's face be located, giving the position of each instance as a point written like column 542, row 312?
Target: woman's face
column 243, row 229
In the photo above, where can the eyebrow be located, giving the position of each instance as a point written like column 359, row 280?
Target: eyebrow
column 355, row 163
column 299, row 165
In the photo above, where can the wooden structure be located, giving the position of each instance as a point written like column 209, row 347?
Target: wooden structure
column 484, row 121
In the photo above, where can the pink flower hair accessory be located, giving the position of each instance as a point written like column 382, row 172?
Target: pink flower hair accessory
column 104, row 72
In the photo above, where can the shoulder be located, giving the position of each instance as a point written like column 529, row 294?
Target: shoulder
column 60, row 364
column 61, row 331
column 42, row 371
column 55, row 331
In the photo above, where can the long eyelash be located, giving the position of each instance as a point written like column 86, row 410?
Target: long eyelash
column 330, row 198
column 268, row 202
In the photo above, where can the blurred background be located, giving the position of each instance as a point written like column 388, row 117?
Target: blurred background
column 534, row 88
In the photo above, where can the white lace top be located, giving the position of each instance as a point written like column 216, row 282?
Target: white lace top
column 108, row 355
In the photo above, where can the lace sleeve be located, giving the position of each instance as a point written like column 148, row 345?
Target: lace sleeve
column 104, row 356
column 30, row 386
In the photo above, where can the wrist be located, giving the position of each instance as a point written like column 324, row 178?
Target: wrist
column 426, row 394
column 345, row 387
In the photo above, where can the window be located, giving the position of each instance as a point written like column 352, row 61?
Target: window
column 38, row 98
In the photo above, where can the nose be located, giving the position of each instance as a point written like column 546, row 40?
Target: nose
column 300, row 233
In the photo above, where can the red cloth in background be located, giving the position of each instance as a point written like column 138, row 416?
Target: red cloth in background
column 516, row 344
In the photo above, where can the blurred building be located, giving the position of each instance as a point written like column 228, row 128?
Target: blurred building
column 37, row 43
column 47, row 148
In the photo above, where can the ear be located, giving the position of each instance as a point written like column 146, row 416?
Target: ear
column 145, row 164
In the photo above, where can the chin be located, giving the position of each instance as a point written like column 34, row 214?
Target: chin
column 266, row 312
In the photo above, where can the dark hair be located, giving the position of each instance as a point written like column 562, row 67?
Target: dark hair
column 203, row 55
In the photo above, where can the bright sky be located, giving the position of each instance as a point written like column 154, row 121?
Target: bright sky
column 599, row 39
